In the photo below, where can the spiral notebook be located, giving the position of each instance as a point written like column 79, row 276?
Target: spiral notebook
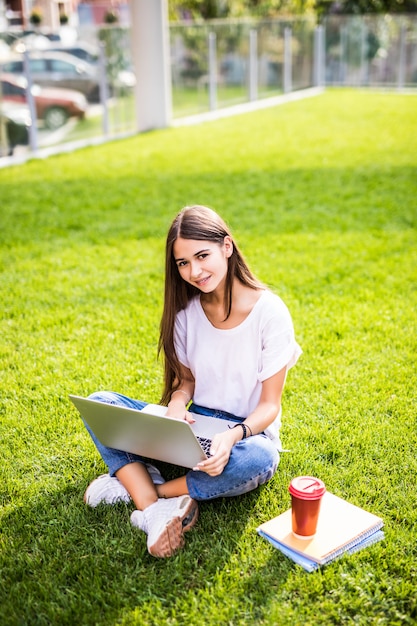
column 343, row 528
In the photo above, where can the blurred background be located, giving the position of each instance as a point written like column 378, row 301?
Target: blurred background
column 66, row 70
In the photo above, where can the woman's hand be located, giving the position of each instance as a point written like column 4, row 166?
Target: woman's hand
column 220, row 450
column 178, row 410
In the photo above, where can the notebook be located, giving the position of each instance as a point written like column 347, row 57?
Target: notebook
column 150, row 433
column 342, row 528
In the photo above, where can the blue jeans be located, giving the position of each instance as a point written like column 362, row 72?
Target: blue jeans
column 252, row 461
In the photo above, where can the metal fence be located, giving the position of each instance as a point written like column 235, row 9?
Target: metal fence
column 219, row 64
column 377, row 51
column 226, row 63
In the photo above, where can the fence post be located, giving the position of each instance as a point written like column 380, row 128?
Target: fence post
column 364, row 55
column 33, row 129
column 401, row 58
column 319, row 74
column 343, row 48
column 287, row 61
column 104, row 91
column 253, row 65
column 212, row 73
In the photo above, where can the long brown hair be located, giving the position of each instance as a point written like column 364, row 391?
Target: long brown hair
column 202, row 224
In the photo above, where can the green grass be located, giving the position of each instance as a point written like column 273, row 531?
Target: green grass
column 186, row 101
column 322, row 197
column 196, row 99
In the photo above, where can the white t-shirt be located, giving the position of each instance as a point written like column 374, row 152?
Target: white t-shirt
column 230, row 365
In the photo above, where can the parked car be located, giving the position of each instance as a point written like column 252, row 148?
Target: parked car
column 124, row 76
column 58, row 69
column 83, row 51
column 51, row 68
column 53, row 105
column 14, row 128
column 30, row 38
column 4, row 50
column 30, row 41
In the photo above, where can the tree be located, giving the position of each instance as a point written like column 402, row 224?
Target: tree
column 358, row 7
column 215, row 9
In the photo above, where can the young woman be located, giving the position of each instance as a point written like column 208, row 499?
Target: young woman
column 228, row 343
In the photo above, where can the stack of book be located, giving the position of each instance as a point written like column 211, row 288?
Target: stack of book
column 343, row 528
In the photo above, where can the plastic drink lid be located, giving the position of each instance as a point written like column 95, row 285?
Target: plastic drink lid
column 307, row 488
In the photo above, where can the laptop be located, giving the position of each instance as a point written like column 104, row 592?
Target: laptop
column 150, row 433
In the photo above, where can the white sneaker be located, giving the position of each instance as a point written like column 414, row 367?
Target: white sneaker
column 108, row 489
column 165, row 523
column 105, row 489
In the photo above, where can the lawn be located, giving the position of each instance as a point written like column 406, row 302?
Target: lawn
column 322, row 197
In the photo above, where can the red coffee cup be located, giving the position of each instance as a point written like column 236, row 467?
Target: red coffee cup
column 306, row 494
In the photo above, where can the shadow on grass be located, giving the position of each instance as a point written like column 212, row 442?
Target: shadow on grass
column 283, row 201
column 63, row 560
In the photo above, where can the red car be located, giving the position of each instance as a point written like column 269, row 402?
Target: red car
column 53, row 105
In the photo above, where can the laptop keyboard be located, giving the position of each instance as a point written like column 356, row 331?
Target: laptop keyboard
column 205, row 444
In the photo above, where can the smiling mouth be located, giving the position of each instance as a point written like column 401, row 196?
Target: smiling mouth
column 202, row 281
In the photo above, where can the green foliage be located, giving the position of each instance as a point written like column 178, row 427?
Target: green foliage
column 215, row 9
column 111, row 17
column 35, row 17
column 358, row 7
column 321, row 195
column 115, row 41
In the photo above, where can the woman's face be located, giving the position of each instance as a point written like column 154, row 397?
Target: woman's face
column 203, row 264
